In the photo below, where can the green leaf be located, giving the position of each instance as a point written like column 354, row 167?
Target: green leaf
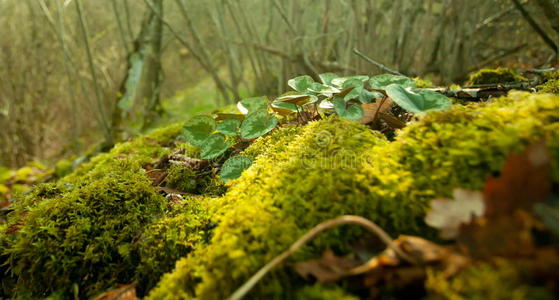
column 198, row 129
column 353, row 83
column 327, row 78
column 214, row 146
column 362, row 95
column 229, row 127
column 417, row 102
column 352, row 112
column 257, row 124
column 234, row 167
column 221, row 117
column 294, row 98
column 301, row 83
column 380, row 82
column 352, row 80
column 253, row 104
column 285, row 105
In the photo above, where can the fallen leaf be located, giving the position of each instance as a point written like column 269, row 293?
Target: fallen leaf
column 387, row 268
column 156, row 176
column 124, row 292
column 448, row 215
column 525, row 180
column 328, row 268
column 372, row 111
column 506, row 236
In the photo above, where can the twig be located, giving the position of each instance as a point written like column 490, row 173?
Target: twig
column 492, row 19
column 378, row 108
column 535, row 26
column 372, row 61
column 206, row 65
column 120, row 26
column 369, row 225
column 109, row 139
column 495, row 90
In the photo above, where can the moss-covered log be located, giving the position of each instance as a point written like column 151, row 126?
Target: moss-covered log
column 106, row 224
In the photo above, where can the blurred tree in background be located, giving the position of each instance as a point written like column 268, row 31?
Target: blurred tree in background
column 76, row 73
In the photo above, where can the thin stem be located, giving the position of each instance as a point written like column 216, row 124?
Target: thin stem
column 108, row 132
column 372, row 61
column 369, row 225
column 120, row 27
column 535, row 26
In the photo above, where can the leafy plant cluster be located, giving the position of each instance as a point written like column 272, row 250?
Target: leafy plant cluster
column 342, row 95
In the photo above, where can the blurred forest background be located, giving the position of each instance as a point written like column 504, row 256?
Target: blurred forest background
column 77, row 75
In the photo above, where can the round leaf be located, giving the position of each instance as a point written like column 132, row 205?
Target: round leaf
column 380, row 82
column 362, row 95
column 251, row 105
column 284, row 108
column 214, row 146
column 352, row 112
column 257, row 124
column 297, row 99
column 229, row 127
column 352, row 81
column 198, row 129
column 417, row 102
column 327, row 78
column 234, row 167
column 301, row 83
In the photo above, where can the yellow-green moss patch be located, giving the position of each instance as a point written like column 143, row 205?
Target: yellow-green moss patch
column 140, row 151
column 502, row 280
column 494, row 76
column 334, row 167
column 97, row 234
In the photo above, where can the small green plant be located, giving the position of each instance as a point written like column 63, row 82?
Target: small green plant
column 345, row 94
column 307, row 101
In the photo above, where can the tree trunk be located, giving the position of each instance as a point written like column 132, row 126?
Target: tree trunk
column 142, row 84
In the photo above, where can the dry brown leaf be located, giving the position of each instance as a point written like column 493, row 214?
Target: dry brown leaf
column 328, row 268
column 525, row 180
column 124, row 292
column 507, row 227
column 371, row 110
column 507, row 236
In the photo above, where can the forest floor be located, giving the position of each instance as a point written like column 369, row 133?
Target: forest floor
column 458, row 203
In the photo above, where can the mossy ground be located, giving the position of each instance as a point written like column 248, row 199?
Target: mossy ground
column 550, row 83
column 499, row 280
column 495, row 76
column 335, row 167
column 106, row 224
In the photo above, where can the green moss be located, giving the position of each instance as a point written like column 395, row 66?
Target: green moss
column 461, row 147
column 140, row 151
column 105, row 224
column 182, row 179
column 423, row 83
column 494, row 76
column 320, row 292
column 203, row 182
column 550, row 86
column 502, row 280
column 276, row 141
column 84, row 235
column 335, row 167
column 62, row 168
column 551, row 75
column 319, row 174
column 169, row 239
